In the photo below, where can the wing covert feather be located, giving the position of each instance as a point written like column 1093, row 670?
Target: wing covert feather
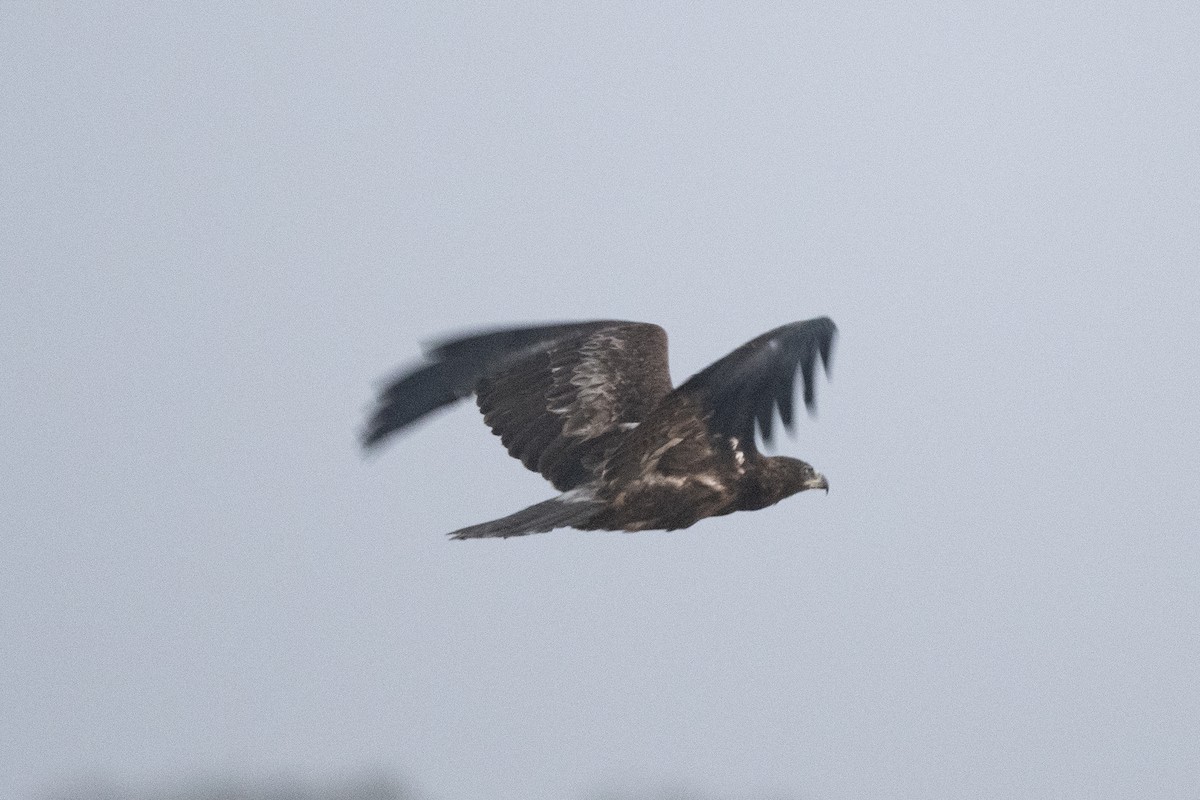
column 560, row 409
column 557, row 395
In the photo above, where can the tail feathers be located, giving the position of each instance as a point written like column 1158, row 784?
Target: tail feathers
column 565, row 511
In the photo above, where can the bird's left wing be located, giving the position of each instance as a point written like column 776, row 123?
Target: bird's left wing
column 749, row 384
column 554, row 394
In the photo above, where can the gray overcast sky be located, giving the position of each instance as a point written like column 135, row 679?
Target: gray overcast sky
column 221, row 224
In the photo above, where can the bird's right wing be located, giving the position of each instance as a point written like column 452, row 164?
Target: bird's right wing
column 748, row 385
column 556, row 394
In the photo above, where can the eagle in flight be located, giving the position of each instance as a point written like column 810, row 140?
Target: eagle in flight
column 590, row 406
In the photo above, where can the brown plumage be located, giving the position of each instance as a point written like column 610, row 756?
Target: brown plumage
column 590, row 406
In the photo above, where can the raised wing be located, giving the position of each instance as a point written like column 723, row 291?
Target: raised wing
column 556, row 394
column 749, row 384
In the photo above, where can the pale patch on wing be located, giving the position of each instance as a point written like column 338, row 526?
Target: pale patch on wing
column 656, row 455
column 709, row 480
column 582, row 494
column 738, row 455
column 682, row 482
column 676, row 481
column 594, row 406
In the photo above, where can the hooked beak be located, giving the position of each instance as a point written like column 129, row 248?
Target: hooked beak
column 817, row 482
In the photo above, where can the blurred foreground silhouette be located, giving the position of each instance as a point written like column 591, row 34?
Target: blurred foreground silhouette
column 364, row 786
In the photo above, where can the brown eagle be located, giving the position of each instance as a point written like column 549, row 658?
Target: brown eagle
column 590, row 406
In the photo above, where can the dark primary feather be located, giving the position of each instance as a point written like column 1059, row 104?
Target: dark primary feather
column 749, row 384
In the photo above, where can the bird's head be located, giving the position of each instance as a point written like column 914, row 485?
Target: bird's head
column 799, row 475
column 780, row 477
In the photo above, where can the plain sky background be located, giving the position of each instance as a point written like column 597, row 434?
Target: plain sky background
column 221, row 224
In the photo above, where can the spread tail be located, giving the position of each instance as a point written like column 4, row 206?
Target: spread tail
column 568, row 510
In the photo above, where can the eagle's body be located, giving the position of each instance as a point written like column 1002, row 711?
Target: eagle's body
column 590, row 406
